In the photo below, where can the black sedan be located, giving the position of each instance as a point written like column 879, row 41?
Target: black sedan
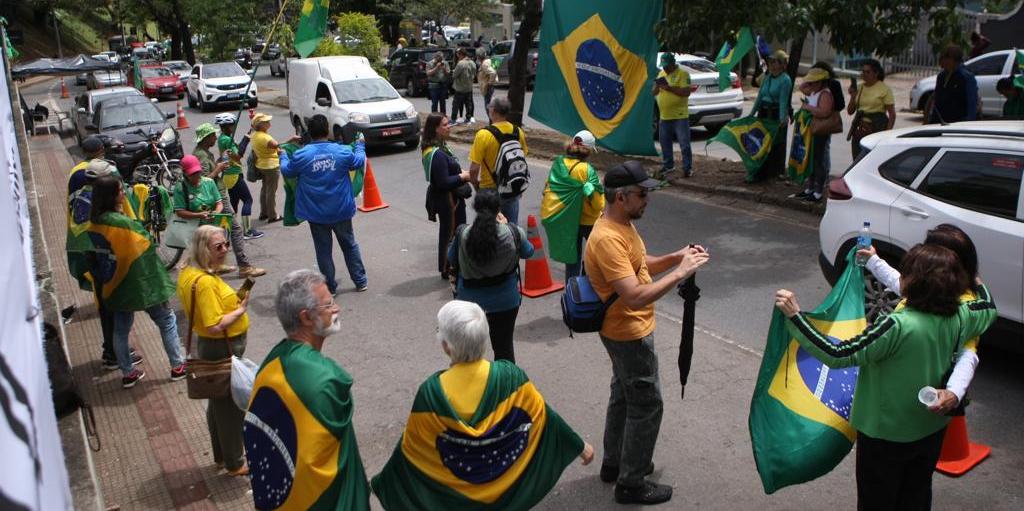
column 125, row 124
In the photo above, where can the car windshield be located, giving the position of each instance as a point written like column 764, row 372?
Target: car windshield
column 96, row 100
column 699, row 65
column 124, row 116
column 176, row 66
column 155, row 72
column 222, row 70
column 364, row 90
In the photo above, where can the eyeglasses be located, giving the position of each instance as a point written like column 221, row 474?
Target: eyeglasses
column 641, row 193
column 330, row 305
column 224, row 245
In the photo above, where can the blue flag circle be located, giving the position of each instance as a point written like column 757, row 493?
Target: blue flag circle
column 264, row 443
column 600, row 79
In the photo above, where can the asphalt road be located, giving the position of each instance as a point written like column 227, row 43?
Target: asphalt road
column 704, row 452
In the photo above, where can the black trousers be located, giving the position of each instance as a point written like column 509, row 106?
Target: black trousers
column 107, row 328
column 462, row 105
column 447, row 220
column 896, row 475
column 502, row 326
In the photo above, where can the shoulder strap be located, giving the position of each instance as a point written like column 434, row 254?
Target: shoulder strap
column 498, row 135
column 458, row 246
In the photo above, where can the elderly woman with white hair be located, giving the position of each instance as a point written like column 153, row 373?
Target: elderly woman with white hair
column 480, row 435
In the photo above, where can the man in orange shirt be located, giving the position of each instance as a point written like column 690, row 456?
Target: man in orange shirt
column 616, row 260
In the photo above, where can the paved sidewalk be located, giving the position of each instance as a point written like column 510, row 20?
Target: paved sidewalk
column 155, row 448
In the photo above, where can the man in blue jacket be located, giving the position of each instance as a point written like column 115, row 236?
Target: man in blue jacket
column 323, row 197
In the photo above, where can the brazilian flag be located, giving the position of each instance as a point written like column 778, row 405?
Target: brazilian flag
column 128, row 271
column 800, row 412
column 507, row 456
column 77, row 243
column 1019, row 80
column 562, row 206
column 731, row 54
column 299, row 438
column 312, row 25
column 600, row 54
column 751, row 138
column 801, row 151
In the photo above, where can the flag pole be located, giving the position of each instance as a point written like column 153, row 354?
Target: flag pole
column 252, row 77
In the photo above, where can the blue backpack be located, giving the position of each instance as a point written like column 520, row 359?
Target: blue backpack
column 582, row 308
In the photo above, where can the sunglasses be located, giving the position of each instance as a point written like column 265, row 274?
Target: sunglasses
column 641, row 193
column 224, row 245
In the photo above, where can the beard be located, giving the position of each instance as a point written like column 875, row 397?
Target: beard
column 329, row 329
column 636, row 214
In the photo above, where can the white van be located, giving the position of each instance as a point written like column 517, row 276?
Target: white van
column 353, row 97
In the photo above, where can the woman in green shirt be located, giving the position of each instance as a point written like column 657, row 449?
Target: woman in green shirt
column 196, row 196
column 898, row 438
column 773, row 103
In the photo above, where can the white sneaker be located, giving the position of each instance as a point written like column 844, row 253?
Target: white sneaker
column 471, row 120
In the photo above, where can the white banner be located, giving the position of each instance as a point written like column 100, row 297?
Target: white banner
column 32, row 473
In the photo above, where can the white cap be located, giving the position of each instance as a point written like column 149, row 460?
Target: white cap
column 585, row 138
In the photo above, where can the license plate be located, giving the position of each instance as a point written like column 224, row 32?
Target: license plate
column 391, row 132
column 233, row 96
column 711, row 89
column 167, row 89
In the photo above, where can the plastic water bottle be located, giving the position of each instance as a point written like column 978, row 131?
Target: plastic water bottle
column 863, row 242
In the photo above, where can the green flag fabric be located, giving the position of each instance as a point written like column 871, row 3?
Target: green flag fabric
column 312, row 25
column 801, row 151
column 751, row 138
column 561, row 208
column 731, row 55
column 128, row 271
column 507, row 456
column 598, row 54
column 800, row 411
column 1019, row 80
column 289, row 218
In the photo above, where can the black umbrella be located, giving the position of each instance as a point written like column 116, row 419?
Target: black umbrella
column 690, row 293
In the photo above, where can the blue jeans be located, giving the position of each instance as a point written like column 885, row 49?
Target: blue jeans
column 438, row 97
column 510, row 208
column 163, row 316
column 322, row 244
column 681, row 129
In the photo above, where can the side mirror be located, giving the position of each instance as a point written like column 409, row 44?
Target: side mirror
column 81, row 110
column 323, row 102
column 167, row 115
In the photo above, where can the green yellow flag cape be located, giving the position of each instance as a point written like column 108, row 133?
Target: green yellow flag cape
column 800, row 412
column 599, row 54
column 1019, row 80
column 731, row 55
column 77, row 243
column 561, row 208
column 298, row 434
column 128, row 272
column 801, row 151
column 751, row 138
column 312, row 25
column 507, row 456
column 290, row 220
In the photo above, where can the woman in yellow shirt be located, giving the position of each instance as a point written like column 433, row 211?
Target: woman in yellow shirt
column 217, row 316
column 264, row 147
column 873, row 104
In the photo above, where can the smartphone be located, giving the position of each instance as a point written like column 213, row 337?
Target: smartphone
column 661, row 81
column 246, row 287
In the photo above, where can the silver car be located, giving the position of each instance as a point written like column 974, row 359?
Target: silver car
column 709, row 105
column 105, row 78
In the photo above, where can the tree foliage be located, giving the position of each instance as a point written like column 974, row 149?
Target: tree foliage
column 446, row 12
column 210, row 19
column 358, row 34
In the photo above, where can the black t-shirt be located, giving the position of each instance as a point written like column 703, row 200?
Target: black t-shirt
column 838, row 99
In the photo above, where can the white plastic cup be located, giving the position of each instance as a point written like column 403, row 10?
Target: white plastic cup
column 928, row 396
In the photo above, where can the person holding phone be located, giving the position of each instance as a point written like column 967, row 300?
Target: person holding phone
column 872, row 104
column 672, row 93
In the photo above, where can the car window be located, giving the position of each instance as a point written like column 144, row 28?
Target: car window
column 700, row 66
column 155, row 72
column 984, row 182
column 222, row 70
column 987, row 66
column 322, row 91
column 364, row 90
column 904, row 167
column 124, row 116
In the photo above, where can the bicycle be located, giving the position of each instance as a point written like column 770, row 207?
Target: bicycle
column 159, row 174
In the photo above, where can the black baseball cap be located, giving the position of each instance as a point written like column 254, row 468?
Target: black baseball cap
column 92, row 145
column 629, row 173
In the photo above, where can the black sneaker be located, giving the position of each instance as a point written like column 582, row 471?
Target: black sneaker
column 647, row 493
column 132, row 378
column 688, row 173
column 111, row 364
column 814, row 197
column 800, row 196
column 609, row 473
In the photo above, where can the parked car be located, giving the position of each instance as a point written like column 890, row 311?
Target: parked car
column 160, row 82
column 112, row 56
column 279, row 66
column 244, row 57
column 353, row 97
column 142, row 53
column 124, row 124
column 81, row 78
column 105, row 78
column 909, row 180
column 85, row 106
column 407, row 68
column 987, row 69
column 179, row 67
column 709, row 106
column 502, row 51
column 219, row 83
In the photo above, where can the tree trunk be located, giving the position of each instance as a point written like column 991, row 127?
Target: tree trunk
column 175, row 43
column 517, row 73
column 186, row 41
column 796, row 50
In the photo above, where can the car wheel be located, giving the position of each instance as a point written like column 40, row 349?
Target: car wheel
column 191, row 102
column 878, row 301
column 411, row 143
column 923, row 102
column 202, row 104
column 254, row 103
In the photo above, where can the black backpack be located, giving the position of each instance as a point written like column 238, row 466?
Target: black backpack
column 510, row 172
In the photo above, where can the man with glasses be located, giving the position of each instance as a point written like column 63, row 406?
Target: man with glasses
column 300, row 393
column 616, row 261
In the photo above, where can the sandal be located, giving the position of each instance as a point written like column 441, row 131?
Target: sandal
column 240, row 471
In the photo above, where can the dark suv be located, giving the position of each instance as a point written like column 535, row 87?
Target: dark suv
column 407, row 68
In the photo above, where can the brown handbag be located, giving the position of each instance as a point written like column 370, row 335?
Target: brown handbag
column 205, row 379
column 827, row 125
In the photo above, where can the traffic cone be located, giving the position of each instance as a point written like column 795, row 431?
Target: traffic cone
column 958, row 453
column 372, row 200
column 63, row 89
column 538, row 277
column 182, row 121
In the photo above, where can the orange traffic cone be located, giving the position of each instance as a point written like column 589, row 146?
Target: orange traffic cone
column 182, row 121
column 958, row 453
column 63, row 89
column 538, row 277
column 372, row 200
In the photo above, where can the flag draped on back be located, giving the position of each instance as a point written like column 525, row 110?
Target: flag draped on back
column 561, row 208
column 290, row 220
column 298, row 433
column 129, row 274
column 600, row 54
column 507, row 456
column 801, row 151
column 731, row 55
column 799, row 415
column 312, row 25
column 751, row 138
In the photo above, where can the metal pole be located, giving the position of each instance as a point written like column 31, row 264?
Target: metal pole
column 690, row 293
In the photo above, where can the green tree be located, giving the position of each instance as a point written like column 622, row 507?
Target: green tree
column 357, row 34
column 211, row 18
column 446, row 12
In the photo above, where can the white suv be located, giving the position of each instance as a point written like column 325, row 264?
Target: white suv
column 909, row 180
column 987, row 70
column 219, row 83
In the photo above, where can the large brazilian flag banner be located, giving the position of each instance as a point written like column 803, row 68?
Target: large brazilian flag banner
column 600, row 54
column 751, row 138
column 507, row 456
column 801, row 151
column 800, row 412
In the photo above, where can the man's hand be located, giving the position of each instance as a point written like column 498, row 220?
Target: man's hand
column 501, row 218
column 588, row 453
column 785, row 300
column 693, row 258
column 947, row 402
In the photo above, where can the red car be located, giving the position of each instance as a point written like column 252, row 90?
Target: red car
column 159, row 81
